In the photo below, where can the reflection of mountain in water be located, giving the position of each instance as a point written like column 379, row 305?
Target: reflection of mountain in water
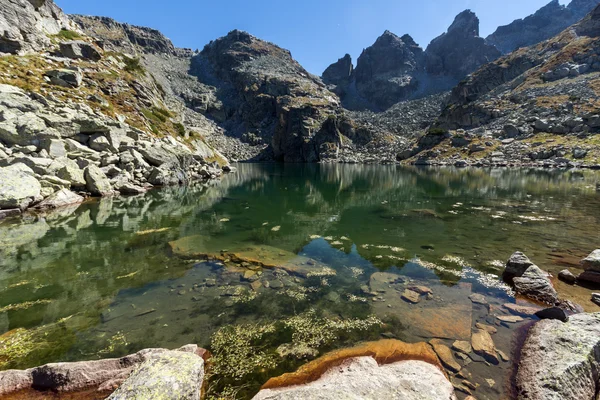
column 78, row 259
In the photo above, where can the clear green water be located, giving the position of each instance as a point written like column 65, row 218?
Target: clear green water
column 101, row 280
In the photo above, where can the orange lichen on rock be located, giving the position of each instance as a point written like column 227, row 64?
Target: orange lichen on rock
column 384, row 352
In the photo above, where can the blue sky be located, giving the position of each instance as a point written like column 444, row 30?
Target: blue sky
column 317, row 32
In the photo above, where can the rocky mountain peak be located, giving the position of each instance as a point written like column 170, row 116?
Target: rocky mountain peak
column 545, row 23
column 460, row 50
column 466, row 24
column 339, row 72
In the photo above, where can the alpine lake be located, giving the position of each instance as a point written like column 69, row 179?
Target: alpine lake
column 276, row 265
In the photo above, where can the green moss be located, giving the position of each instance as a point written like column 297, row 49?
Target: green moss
column 180, row 129
column 66, row 34
column 133, row 65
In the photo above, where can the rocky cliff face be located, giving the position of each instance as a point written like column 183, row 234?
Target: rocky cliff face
column 460, row 50
column 539, row 105
column 544, row 24
column 396, row 69
column 339, row 73
column 386, row 71
column 74, row 116
column 26, row 24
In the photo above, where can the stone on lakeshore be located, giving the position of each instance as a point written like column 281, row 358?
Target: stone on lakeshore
column 592, row 262
column 552, row 313
column 54, row 147
column 596, row 298
column 483, row 345
column 19, row 189
column 535, row 284
column 70, row 171
column 529, row 280
column 62, row 198
column 445, row 355
column 567, row 277
column 170, row 375
column 103, row 376
column 376, row 370
column 97, row 182
column 362, row 378
column 589, row 276
column 560, row 361
column 517, row 264
column 410, row 296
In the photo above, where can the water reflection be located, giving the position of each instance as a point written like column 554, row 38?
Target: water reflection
column 101, row 278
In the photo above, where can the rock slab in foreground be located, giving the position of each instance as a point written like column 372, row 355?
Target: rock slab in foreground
column 561, row 361
column 170, row 375
column 101, row 375
column 362, row 378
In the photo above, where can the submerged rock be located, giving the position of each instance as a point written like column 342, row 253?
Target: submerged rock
column 484, row 346
column 567, row 277
column 445, row 355
column 560, row 361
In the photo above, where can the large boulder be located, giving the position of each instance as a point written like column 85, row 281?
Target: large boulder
column 102, row 376
column 561, row 360
column 363, row 378
column 170, row 375
column 529, row 280
column 592, row 262
column 68, row 78
column 18, row 188
column 68, row 170
column 78, row 49
column 62, row 198
column 97, row 182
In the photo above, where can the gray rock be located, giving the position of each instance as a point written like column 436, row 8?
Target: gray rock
column 70, row 171
column 55, row 148
column 560, row 361
column 99, row 142
column 79, row 49
column 596, row 298
column 68, row 78
column 589, row 276
column 362, row 378
column 19, row 188
column 535, row 284
column 170, row 375
column 59, row 199
column 567, row 276
column 131, row 189
column 97, row 182
column 69, row 378
column 26, row 24
column 592, row 262
column 517, row 264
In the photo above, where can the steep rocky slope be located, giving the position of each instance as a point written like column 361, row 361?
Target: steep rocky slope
column 246, row 97
column 545, row 23
column 75, row 116
column 396, row 69
column 537, row 105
